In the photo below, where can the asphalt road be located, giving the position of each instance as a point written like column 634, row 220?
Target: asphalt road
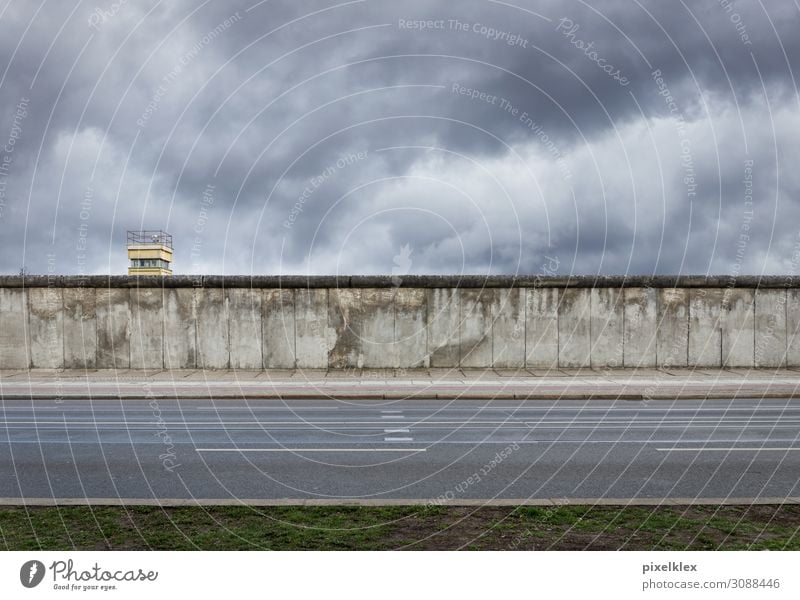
column 427, row 450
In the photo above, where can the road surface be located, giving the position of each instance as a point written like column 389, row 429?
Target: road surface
column 421, row 450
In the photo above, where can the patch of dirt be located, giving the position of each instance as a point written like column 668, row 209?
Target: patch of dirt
column 502, row 529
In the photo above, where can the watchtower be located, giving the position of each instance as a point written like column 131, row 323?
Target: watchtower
column 150, row 253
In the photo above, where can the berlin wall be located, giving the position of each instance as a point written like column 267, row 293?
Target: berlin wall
column 214, row 322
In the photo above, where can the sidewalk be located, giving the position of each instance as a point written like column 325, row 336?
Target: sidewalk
column 348, row 384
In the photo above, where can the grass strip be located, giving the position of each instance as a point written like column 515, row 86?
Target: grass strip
column 758, row 527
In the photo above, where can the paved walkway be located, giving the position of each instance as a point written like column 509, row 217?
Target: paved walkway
column 581, row 384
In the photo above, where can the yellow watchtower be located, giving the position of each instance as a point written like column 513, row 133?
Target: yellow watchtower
column 150, row 253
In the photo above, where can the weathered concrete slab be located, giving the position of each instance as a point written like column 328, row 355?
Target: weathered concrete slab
column 377, row 328
column 244, row 325
column 14, row 344
column 180, row 328
column 410, row 330
column 46, row 327
column 346, row 320
column 793, row 328
column 640, row 325
column 113, row 312
column 672, row 336
column 541, row 328
column 770, row 328
column 311, row 326
column 278, row 342
column 213, row 344
column 607, row 320
column 508, row 328
column 147, row 328
column 80, row 328
column 706, row 320
column 574, row 337
column 475, row 327
column 443, row 318
column 737, row 328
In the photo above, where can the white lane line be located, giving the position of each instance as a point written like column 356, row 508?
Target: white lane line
column 398, row 439
column 395, row 431
column 300, row 450
column 391, row 412
column 278, row 408
column 737, row 449
column 393, row 417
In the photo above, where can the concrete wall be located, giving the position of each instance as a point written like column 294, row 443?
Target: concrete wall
column 253, row 324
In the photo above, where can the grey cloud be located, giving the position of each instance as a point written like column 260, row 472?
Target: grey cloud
column 170, row 103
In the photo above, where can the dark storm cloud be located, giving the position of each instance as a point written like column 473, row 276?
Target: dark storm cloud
column 380, row 136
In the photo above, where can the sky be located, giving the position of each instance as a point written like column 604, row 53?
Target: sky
column 415, row 137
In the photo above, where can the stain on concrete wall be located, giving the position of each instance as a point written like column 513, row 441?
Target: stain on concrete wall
column 46, row 323
column 244, row 325
column 574, row 328
column 793, row 328
column 113, row 310
column 705, row 327
column 541, row 328
column 278, row 343
column 410, row 330
column 345, row 322
column 311, row 326
column 80, row 328
column 738, row 342
column 147, row 328
column 377, row 328
column 213, row 349
column 14, row 338
column 672, row 338
column 769, row 331
column 607, row 321
column 508, row 329
column 639, row 329
column 475, row 325
column 180, row 328
column 444, row 313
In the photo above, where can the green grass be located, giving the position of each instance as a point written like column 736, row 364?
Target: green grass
column 381, row 528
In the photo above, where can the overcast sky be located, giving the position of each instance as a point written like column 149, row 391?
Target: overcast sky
column 402, row 137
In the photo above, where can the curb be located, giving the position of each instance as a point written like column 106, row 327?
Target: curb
column 555, row 502
column 483, row 395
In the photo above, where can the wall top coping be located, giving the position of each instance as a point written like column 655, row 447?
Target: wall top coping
column 407, row 281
